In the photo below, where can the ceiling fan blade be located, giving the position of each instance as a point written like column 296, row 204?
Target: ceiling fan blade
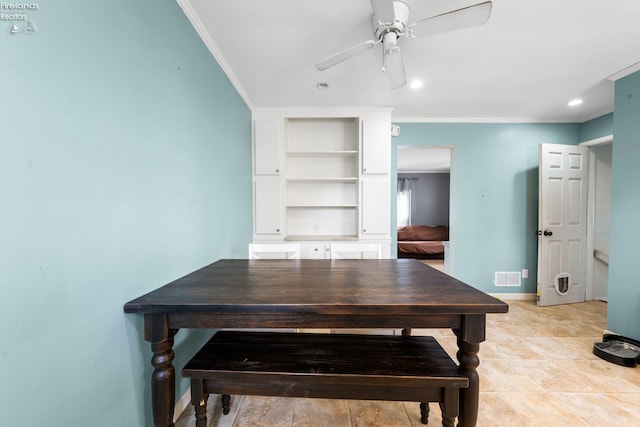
column 394, row 67
column 455, row 20
column 345, row 54
column 383, row 10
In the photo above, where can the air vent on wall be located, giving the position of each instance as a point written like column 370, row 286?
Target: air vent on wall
column 507, row 278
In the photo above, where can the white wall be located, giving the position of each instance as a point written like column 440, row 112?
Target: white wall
column 602, row 217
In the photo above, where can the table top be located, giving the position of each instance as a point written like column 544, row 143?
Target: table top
column 368, row 287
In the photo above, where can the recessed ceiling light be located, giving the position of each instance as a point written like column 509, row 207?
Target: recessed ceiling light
column 322, row 85
column 416, row 84
column 575, row 102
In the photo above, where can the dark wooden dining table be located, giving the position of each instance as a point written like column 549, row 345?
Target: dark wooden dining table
column 386, row 293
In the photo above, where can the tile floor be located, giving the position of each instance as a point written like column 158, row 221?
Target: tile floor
column 536, row 369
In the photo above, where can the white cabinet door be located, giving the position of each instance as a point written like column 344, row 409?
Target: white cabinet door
column 355, row 250
column 314, row 251
column 268, row 207
column 375, row 209
column 376, row 147
column 266, row 147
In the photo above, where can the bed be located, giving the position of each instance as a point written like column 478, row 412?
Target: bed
column 422, row 241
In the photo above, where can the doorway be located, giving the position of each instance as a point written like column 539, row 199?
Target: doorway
column 597, row 282
column 589, row 254
column 424, row 194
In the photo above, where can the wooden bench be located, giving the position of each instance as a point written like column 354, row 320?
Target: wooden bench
column 337, row 366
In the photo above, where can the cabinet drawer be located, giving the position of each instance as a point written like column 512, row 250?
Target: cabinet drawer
column 314, row 250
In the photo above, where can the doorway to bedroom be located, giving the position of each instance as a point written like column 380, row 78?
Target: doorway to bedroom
column 423, row 204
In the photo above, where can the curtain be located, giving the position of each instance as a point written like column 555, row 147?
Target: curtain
column 406, row 188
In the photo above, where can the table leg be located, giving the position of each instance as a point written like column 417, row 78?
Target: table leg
column 469, row 397
column 163, row 391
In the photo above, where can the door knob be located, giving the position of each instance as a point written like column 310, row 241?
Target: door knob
column 548, row 233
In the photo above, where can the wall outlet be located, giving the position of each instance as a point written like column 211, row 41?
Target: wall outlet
column 525, row 273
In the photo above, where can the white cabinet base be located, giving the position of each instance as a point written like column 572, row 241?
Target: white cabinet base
column 328, row 249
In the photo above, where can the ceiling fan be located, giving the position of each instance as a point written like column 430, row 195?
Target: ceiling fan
column 389, row 22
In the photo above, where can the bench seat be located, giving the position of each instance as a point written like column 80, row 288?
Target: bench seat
column 338, row 366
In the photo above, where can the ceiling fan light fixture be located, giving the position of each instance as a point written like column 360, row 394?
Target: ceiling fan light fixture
column 394, row 67
column 386, row 21
column 390, row 21
column 575, row 102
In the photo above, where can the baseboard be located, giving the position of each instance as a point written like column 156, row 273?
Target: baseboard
column 182, row 404
column 514, row 297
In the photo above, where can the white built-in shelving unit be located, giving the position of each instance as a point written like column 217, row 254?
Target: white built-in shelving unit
column 321, row 178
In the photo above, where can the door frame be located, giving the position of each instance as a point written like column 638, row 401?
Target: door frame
column 591, row 208
column 449, row 253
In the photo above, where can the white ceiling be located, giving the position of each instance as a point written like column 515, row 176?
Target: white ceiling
column 525, row 64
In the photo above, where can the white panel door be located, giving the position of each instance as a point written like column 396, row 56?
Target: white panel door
column 562, row 224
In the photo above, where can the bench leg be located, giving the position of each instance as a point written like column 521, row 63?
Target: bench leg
column 449, row 406
column 199, row 399
column 424, row 412
column 226, row 403
column 446, row 420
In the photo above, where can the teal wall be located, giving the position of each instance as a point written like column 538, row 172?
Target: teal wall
column 494, row 194
column 596, row 128
column 125, row 163
column 623, row 316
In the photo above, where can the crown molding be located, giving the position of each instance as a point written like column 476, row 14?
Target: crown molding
column 197, row 24
column 493, row 120
column 624, row 72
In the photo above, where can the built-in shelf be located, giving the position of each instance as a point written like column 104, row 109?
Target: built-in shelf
column 322, row 176
column 317, row 174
